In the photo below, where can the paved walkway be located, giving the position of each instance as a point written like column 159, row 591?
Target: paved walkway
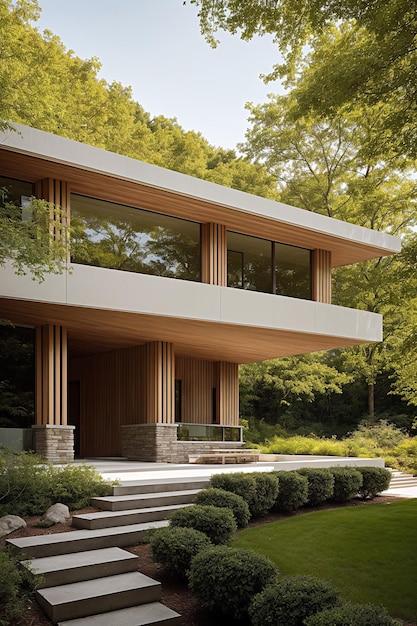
column 126, row 471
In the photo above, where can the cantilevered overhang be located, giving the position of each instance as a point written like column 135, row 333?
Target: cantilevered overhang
column 106, row 309
column 32, row 154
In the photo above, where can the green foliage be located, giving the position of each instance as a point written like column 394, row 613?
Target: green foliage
column 353, row 615
column 217, row 523
column 347, row 483
column 266, row 492
column 226, row 579
column 29, row 486
column 17, row 585
column 174, row 548
column 293, row 491
column 304, row 445
column 226, row 499
column 374, row 480
column 258, row 489
column 289, row 601
column 320, row 485
column 381, row 435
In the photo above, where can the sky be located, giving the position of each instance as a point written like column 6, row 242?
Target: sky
column 155, row 46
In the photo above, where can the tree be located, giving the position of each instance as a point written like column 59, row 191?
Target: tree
column 360, row 51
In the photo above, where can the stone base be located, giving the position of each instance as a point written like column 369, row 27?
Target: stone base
column 54, row 443
column 157, row 443
column 152, row 443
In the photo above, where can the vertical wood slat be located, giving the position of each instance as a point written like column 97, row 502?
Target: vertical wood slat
column 58, row 192
column 322, row 276
column 51, row 375
column 227, row 377
column 197, row 378
column 159, row 387
column 213, row 254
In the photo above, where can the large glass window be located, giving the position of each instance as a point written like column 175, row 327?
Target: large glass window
column 292, row 271
column 106, row 234
column 266, row 266
column 249, row 262
column 16, row 191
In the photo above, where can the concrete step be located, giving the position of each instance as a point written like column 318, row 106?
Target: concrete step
column 83, row 540
column 144, row 501
column 107, row 519
column 142, row 615
column 98, row 596
column 132, row 487
column 403, row 482
column 78, row 566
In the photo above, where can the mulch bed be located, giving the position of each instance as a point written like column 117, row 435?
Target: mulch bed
column 174, row 594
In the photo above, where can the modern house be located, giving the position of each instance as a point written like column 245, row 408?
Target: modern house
column 175, row 281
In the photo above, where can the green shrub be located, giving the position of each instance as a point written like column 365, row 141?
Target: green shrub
column 174, row 548
column 258, row 489
column 347, row 482
column 320, row 485
column 226, row 579
column 17, row 585
column 374, row 480
column 292, row 493
column 266, row 492
column 226, row 499
column 29, row 485
column 217, row 523
column 288, row 601
column 352, row 615
column 241, row 483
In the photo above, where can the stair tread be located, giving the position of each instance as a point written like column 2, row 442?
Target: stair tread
column 56, row 563
column 145, row 496
column 152, row 613
column 76, row 535
column 96, row 588
column 106, row 514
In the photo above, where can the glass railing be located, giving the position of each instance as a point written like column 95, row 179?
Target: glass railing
column 209, row 432
column 19, row 439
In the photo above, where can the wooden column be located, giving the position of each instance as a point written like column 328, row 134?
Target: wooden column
column 213, row 254
column 227, row 384
column 159, row 383
column 322, row 276
column 51, row 375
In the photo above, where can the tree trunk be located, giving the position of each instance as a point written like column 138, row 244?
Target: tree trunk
column 371, row 401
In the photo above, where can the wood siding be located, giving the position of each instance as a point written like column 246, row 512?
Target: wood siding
column 322, row 276
column 213, row 254
column 51, row 375
column 227, row 383
column 198, row 380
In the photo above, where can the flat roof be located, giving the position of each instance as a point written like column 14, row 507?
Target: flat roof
column 33, row 152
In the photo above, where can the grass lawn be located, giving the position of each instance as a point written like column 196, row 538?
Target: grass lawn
column 369, row 552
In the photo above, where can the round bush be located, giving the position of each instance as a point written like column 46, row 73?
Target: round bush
column 374, row 480
column 288, row 601
column 347, row 482
column 174, row 548
column 292, row 493
column 226, row 499
column 266, row 492
column 352, row 615
column 241, row 483
column 225, row 579
column 320, row 485
column 217, row 523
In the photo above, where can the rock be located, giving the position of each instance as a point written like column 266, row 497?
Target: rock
column 9, row 523
column 57, row 513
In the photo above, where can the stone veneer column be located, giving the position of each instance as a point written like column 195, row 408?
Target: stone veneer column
column 54, row 439
column 152, row 443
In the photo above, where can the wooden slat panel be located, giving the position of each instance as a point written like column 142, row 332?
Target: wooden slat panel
column 227, row 375
column 322, row 276
column 197, row 383
column 214, row 254
column 51, row 375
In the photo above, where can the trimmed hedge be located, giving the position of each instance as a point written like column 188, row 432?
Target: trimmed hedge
column 226, row 499
column 217, row 523
column 288, row 601
column 320, row 485
column 347, row 482
column 292, row 493
column 225, row 579
column 258, row 489
column 174, row 548
column 353, row 615
column 374, row 480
